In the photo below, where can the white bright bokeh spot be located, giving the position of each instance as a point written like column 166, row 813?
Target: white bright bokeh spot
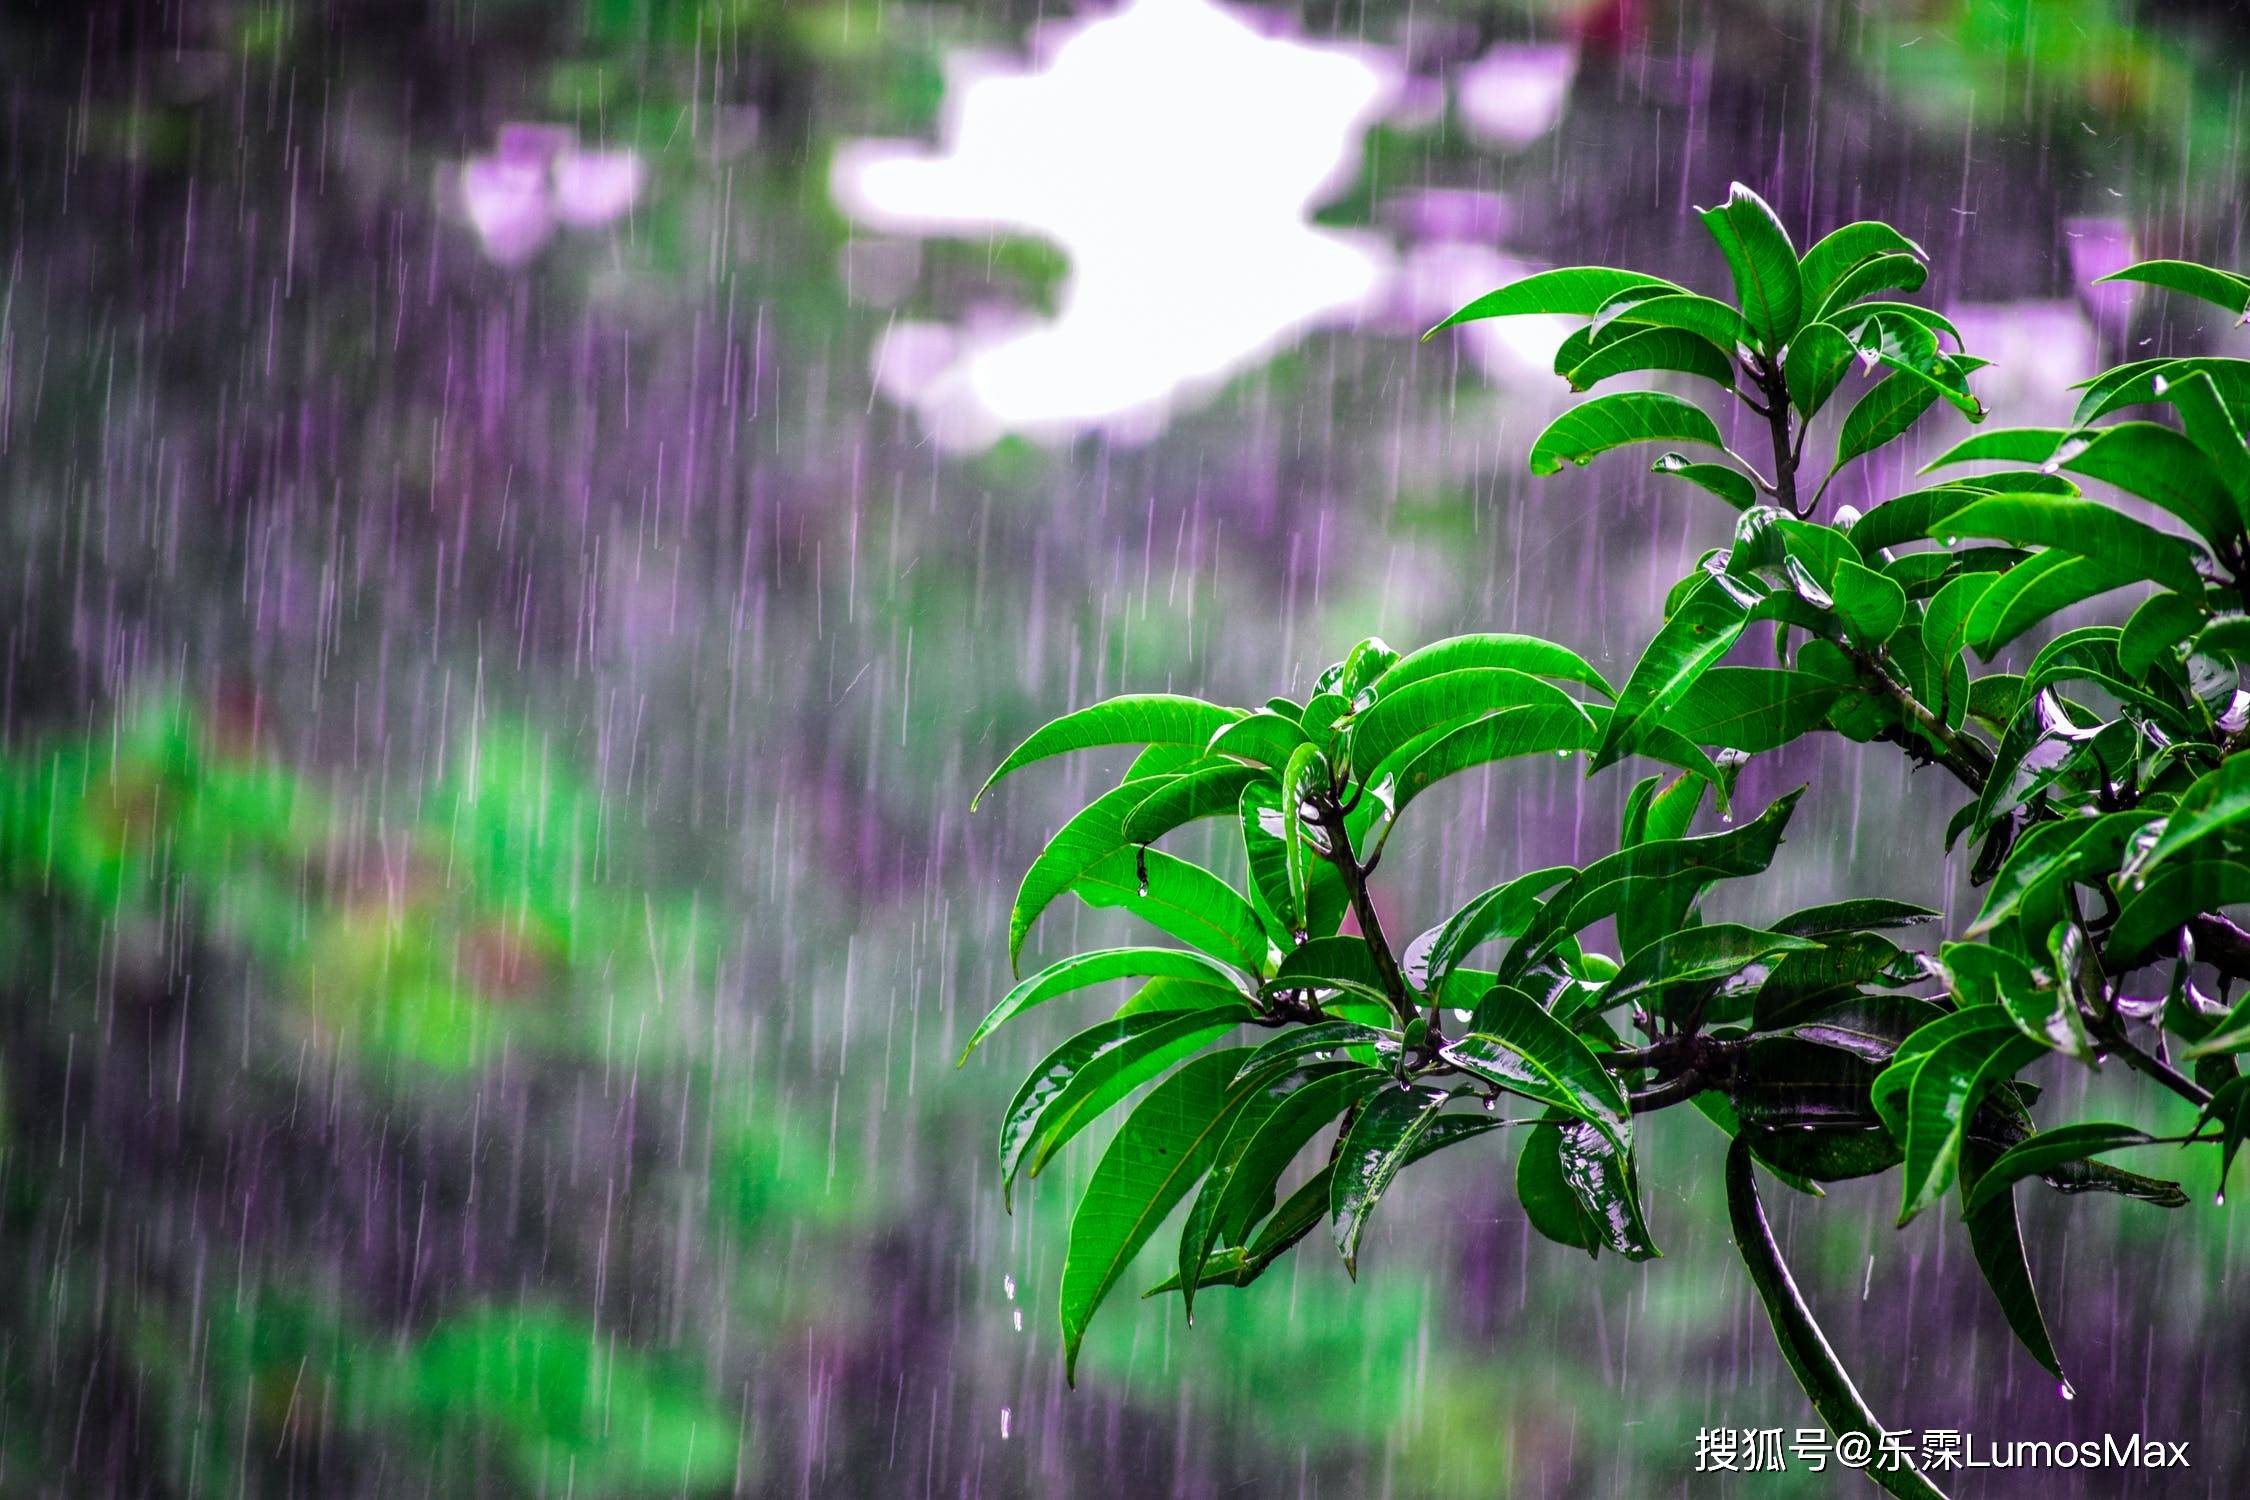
column 1175, row 154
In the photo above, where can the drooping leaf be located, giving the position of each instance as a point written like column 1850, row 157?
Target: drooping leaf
column 1516, row 1045
column 1140, row 719
column 1514, row 653
column 1079, row 1081
column 1699, row 632
column 1180, row 898
column 1258, row 1150
column 1073, row 974
column 1548, row 1199
column 1576, row 290
column 1161, row 1151
column 1751, row 709
column 1601, row 1175
column 1996, row 1239
column 1305, row 777
column 1653, row 349
column 1927, row 1095
column 2220, row 288
column 1729, row 484
column 2036, row 1156
column 1614, row 421
column 1382, row 1137
column 1803, row 1345
column 1320, row 1036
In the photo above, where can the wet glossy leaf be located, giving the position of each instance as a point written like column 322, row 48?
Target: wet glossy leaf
column 2221, row 288
column 1653, row 349
column 1516, row 1045
column 1183, row 899
column 1148, row 718
column 1996, row 1239
column 1569, row 289
column 2038, row 1155
column 1079, row 1081
column 1803, row 1345
column 1615, row 421
column 1161, row 1152
column 1382, row 1137
column 1074, row 974
column 1768, row 286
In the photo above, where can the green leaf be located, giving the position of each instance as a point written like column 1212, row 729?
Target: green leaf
column 1616, row 420
column 1519, row 1047
column 1184, row 798
column 1870, row 605
column 2217, row 801
column 1073, row 974
column 1305, row 776
column 1768, row 286
column 1075, row 1084
column 2162, row 466
column 2220, row 288
column 1731, row 485
column 1699, row 632
column 1653, row 349
column 2085, row 527
column 1382, row 1138
column 1343, row 963
column 1693, row 954
column 1712, row 321
column 1884, row 413
column 2213, row 429
column 1501, row 912
column 1996, row 1239
column 1267, row 856
column 1095, row 833
column 2157, row 906
column 2036, row 1156
column 1403, row 713
column 1516, row 653
column 1143, row 719
column 1264, row 738
column 1840, row 250
column 1258, row 1150
column 1577, row 290
column 1320, row 1036
column 1426, row 760
column 1607, row 885
column 1943, row 1085
column 1602, row 1177
column 1860, row 914
column 1882, row 273
column 1803, row 1345
column 1180, row 898
column 2230, row 1106
column 2034, row 590
column 1161, row 1151
column 1751, row 709
column 2156, row 628
column 1549, row 1202
column 1818, row 357
column 2135, row 384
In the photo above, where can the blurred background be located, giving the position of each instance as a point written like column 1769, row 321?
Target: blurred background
column 525, row 521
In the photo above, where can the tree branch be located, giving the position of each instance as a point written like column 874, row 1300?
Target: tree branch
column 1331, row 819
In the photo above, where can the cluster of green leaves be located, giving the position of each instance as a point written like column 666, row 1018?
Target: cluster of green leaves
column 2106, row 804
